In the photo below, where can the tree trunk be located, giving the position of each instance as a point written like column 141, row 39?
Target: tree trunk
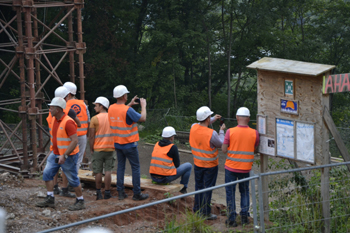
column 229, row 70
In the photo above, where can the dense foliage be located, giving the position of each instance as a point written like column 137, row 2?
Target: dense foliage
column 184, row 54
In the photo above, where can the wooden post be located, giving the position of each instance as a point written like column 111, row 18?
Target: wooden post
column 265, row 187
column 325, row 172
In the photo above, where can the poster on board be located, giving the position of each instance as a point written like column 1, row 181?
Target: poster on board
column 267, row 145
column 262, row 128
column 305, row 139
column 285, row 138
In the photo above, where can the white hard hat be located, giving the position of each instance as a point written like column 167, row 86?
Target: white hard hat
column 102, row 100
column 168, row 132
column 59, row 102
column 243, row 111
column 95, row 230
column 203, row 113
column 71, row 87
column 119, row 91
column 61, row 92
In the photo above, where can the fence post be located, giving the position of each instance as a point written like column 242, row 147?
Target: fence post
column 255, row 216
column 261, row 204
column 2, row 220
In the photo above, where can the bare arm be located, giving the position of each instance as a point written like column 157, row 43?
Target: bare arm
column 143, row 110
column 132, row 102
column 224, row 148
column 92, row 138
column 71, row 147
column 77, row 121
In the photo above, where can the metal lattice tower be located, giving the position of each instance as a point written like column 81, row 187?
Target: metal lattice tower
column 28, row 54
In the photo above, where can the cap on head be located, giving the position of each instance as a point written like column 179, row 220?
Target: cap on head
column 243, row 111
column 58, row 102
column 203, row 113
column 119, row 91
column 103, row 101
column 168, row 132
column 71, row 87
column 61, row 92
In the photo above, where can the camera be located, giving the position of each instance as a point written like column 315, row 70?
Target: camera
column 137, row 101
column 222, row 121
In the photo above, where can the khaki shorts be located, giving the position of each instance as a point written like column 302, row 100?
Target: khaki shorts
column 103, row 157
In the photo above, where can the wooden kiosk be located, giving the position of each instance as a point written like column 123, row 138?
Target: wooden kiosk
column 290, row 120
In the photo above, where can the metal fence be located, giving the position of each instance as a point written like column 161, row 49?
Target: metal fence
column 295, row 205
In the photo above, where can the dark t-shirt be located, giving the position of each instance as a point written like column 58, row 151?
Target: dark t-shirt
column 72, row 114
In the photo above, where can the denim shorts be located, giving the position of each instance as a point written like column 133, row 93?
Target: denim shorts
column 69, row 168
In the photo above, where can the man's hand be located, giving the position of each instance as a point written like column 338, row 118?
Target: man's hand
column 132, row 102
column 61, row 159
column 223, row 126
column 217, row 117
column 143, row 102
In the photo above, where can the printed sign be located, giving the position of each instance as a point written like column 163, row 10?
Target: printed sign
column 305, row 142
column 288, row 87
column 336, row 83
column 267, row 145
column 289, row 106
column 285, row 138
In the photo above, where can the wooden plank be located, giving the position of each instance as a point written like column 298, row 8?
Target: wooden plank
column 332, row 128
column 86, row 176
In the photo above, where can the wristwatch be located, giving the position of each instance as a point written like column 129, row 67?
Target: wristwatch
column 65, row 156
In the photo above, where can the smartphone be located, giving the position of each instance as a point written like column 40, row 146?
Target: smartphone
column 137, row 101
column 57, row 159
column 222, row 121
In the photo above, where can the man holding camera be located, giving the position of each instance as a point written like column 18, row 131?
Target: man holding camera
column 204, row 143
column 64, row 154
column 122, row 119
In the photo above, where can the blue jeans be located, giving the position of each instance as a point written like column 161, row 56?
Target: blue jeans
column 69, row 168
column 230, row 194
column 204, row 178
column 184, row 170
column 132, row 155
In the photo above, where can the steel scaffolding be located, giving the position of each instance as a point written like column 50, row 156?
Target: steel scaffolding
column 28, row 52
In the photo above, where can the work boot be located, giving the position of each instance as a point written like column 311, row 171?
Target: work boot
column 66, row 193
column 140, row 197
column 99, row 195
column 78, row 205
column 48, row 202
column 122, row 195
column 230, row 223
column 244, row 220
column 183, row 190
column 56, row 190
column 108, row 194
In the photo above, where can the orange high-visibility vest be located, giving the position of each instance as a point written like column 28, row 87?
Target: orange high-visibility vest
column 122, row 132
column 63, row 140
column 50, row 124
column 161, row 163
column 203, row 154
column 80, row 109
column 240, row 152
column 104, row 136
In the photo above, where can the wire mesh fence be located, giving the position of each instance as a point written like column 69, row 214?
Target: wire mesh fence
column 294, row 206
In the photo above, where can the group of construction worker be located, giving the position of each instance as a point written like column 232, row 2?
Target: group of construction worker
column 113, row 132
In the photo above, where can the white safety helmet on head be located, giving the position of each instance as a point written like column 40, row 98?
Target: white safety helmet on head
column 71, row 87
column 119, row 91
column 203, row 113
column 102, row 100
column 168, row 132
column 61, row 92
column 58, row 102
column 243, row 111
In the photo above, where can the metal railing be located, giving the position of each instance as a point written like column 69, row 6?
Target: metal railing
column 301, row 204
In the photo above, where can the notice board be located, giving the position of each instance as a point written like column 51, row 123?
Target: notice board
column 295, row 140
